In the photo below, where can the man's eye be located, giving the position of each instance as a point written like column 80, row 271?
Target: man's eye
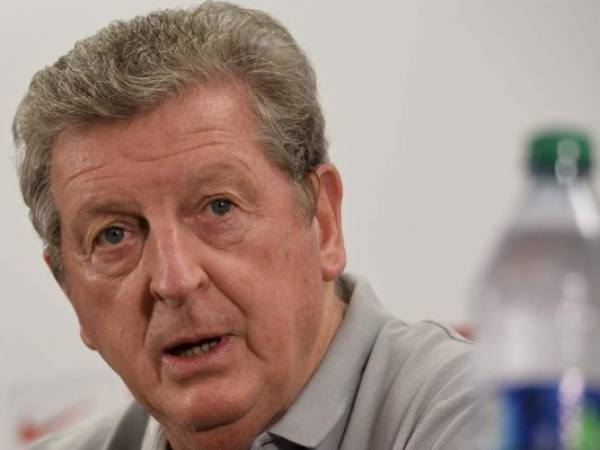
column 221, row 206
column 112, row 235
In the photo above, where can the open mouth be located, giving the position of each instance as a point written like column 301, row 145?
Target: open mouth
column 187, row 350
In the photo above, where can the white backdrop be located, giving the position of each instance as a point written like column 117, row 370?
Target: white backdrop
column 428, row 105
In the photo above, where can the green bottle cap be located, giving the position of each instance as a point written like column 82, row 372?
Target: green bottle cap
column 561, row 154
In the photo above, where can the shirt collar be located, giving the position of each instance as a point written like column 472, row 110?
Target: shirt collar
column 328, row 397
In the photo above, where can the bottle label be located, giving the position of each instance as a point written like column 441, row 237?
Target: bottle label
column 545, row 417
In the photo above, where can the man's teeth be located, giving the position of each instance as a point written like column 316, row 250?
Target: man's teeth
column 199, row 349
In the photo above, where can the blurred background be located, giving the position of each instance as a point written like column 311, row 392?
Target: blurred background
column 428, row 106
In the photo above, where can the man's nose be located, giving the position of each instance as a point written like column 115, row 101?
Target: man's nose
column 174, row 264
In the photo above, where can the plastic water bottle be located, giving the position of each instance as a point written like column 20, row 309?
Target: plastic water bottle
column 537, row 308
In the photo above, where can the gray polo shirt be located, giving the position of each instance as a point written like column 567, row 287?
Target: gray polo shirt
column 383, row 385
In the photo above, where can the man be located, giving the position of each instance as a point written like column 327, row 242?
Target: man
column 176, row 169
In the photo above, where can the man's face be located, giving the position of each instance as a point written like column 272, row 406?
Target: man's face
column 189, row 263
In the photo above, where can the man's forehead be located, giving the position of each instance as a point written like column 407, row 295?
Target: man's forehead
column 203, row 117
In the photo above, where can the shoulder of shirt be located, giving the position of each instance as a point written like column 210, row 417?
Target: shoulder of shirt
column 422, row 330
column 426, row 338
column 417, row 375
column 425, row 349
column 90, row 434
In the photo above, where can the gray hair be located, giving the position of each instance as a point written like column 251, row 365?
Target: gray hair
column 132, row 67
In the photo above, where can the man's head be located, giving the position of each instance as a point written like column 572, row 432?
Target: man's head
column 131, row 67
column 175, row 168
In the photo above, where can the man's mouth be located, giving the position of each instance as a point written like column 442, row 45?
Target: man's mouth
column 192, row 356
column 190, row 349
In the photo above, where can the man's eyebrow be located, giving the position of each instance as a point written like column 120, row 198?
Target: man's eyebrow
column 103, row 208
column 223, row 173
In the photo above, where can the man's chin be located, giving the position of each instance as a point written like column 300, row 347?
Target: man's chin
column 203, row 411
column 220, row 428
column 203, row 421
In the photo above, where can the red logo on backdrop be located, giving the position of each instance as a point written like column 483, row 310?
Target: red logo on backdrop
column 31, row 430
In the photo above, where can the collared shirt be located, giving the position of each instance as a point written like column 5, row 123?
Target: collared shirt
column 383, row 385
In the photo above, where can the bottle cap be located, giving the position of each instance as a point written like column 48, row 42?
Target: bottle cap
column 560, row 154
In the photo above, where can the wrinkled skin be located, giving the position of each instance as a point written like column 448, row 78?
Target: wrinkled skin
column 175, row 228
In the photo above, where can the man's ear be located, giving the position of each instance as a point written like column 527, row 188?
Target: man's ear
column 328, row 216
column 48, row 259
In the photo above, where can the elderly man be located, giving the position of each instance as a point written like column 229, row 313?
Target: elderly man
column 176, row 168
